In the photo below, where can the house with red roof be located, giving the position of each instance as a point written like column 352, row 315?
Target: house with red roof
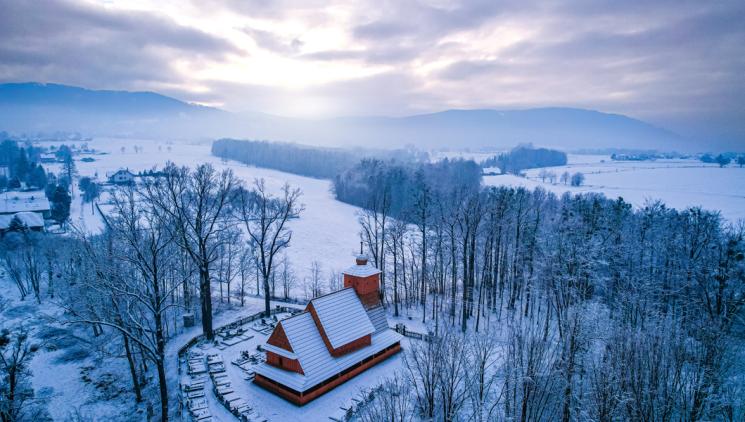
column 338, row 336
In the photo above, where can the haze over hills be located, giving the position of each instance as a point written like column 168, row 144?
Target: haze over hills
column 32, row 108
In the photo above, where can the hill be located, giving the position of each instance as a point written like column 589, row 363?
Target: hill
column 34, row 107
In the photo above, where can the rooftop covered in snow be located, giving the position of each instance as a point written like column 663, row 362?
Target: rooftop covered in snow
column 342, row 317
column 13, row 202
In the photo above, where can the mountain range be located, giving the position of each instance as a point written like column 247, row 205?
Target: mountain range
column 29, row 108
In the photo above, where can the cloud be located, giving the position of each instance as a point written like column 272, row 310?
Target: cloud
column 676, row 62
column 89, row 46
column 352, row 97
column 274, row 42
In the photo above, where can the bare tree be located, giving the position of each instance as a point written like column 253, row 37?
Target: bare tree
column 336, row 281
column 577, row 179
column 265, row 218
column 246, row 267
column 287, row 276
column 23, row 259
column 194, row 204
column 551, row 177
column 395, row 239
column 227, row 268
column 391, row 402
column 13, row 265
column 314, row 280
column 16, row 352
column 137, row 282
column 484, row 393
column 452, row 367
column 422, row 364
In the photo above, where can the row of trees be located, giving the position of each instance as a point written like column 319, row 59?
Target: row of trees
column 723, row 159
column 600, row 311
column 576, row 179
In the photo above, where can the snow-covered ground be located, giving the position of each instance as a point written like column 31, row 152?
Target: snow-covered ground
column 327, row 230
column 267, row 405
column 59, row 380
column 678, row 183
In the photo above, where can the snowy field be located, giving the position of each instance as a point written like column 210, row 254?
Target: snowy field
column 327, row 231
column 678, row 183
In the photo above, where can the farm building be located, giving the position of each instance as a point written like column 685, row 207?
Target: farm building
column 30, row 220
column 121, row 177
column 15, row 202
column 338, row 336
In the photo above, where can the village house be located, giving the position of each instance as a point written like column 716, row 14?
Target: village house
column 15, row 202
column 29, row 208
column 30, row 220
column 338, row 336
column 121, row 177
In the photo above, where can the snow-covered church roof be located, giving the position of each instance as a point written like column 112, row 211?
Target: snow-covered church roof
column 343, row 320
column 342, row 317
column 364, row 270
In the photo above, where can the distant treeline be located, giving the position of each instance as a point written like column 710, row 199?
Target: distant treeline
column 324, row 163
column 20, row 164
column 292, row 158
column 399, row 188
column 368, row 178
column 526, row 157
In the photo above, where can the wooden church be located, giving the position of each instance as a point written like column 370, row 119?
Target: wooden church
column 338, row 336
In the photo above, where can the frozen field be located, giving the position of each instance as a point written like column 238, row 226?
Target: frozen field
column 327, row 230
column 678, row 183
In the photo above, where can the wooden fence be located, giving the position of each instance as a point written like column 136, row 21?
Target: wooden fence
column 235, row 324
column 401, row 329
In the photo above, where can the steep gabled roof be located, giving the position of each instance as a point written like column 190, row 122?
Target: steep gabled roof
column 378, row 318
column 342, row 317
column 13, row 202
column 279, row 338
column 315, row 359
column 28, row 219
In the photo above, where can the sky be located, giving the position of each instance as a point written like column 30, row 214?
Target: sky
column 677, row 64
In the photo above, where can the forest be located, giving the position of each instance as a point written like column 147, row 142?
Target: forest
column 22, row 166
column 538, row 307
column 396, row 184
column 525, row 157
column 324, row 163
column 563, row 308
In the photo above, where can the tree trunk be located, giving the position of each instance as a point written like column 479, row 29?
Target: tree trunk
column 163, row 384
column 206, row 301
column 267, row 296
column 132, row 369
